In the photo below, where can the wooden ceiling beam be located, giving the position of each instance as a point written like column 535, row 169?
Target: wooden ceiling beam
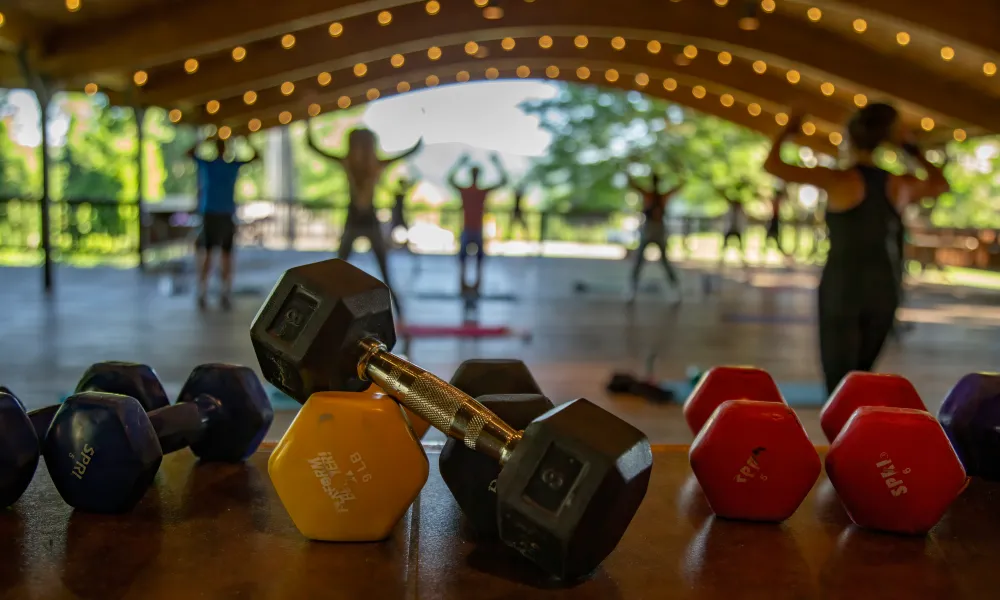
column 172, row 31
column 781, row 39
column 975, row 22
column 710, row 104
column 738, row 78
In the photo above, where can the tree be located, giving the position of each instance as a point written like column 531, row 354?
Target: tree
column 973, row 171
column 598, row 134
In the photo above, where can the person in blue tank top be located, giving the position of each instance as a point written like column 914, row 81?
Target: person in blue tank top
column 217, row 207
column 859, row 288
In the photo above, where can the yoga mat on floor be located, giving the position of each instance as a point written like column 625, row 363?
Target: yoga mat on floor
column 465, row 297
column 280, row 400
column 602, row 288
column 795, row 393
column 461, row 331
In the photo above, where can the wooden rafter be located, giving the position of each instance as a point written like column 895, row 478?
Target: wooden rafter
column 356, row 90
column 781, row 39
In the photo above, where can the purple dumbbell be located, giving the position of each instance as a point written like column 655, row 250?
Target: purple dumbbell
column 970, row 415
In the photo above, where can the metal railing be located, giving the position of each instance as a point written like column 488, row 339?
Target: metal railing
column 101, row 230
column 89, row 227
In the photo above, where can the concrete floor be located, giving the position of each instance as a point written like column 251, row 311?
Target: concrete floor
column 762, row 318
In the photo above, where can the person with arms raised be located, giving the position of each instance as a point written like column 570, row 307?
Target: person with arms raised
column 217, row 207
column 364, row 170
column 859, row 290
column 654, row 230
column 473, row 211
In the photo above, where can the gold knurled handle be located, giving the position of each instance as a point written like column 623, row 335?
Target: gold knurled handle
column 445, row 407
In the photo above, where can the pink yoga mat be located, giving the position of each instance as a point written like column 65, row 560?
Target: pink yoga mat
column 470, row 331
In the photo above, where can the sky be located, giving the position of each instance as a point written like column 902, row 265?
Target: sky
column 481, row 114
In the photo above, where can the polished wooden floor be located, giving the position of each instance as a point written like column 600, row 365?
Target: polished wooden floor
column 219, row 531
column 760, row 317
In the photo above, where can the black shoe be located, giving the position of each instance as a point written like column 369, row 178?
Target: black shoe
column 225, row 303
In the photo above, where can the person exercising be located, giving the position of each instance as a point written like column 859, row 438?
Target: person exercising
column 654, row 230
column 735, row 221
column 774, row 225
column 859, row 290
column 403, row 187
column 473, row 211
column 217, row 207
column 364, row 170
column 516, row 216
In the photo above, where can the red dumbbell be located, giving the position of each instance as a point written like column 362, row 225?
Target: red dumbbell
column 894, row 469
column 859, row 389
column 719, row 384
column 754, row 461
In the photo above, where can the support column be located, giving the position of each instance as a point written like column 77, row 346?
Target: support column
column 280, row 175
column 43, row 93
column 140, row 197
column 44, row 101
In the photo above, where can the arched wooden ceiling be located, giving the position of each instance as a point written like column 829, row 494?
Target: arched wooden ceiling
column 936, row 61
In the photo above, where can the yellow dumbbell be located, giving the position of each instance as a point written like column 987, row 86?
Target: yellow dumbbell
column 349, row 466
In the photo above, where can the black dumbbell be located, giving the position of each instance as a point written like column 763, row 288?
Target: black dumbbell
column 472, row 476
column 19, row 447
column 103, row 450
column 128, row 379
column 508, row 389
column 571, row 481
column 478, row 377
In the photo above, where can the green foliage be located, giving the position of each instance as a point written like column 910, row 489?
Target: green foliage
column 169, row 171
column 973, row 171
column 99, row 154
column 599, row 134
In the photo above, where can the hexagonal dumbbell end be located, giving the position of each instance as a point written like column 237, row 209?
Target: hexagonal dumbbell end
column 306, row 334
column 894, row 469
column 970, row 415
column 18, row 449
column 571, row 487
column 720, row 384
column 479, row 377
column 239, row 418
column 128, row 379
column 859, row 389
column 101, row 451
column 471, row 476
column 348, row 467
column 754, row 461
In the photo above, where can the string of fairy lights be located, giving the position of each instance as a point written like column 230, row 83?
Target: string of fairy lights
column 641, row 81
column 523, row 71
column 749, row 20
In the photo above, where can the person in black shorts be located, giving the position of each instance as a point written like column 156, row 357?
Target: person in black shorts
column 774, row 225
column 398, row 221
column 859, row 289
column 654, row 230
column 517, row 216
column 364, row 170
column 735, row 220
column 217, row 207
